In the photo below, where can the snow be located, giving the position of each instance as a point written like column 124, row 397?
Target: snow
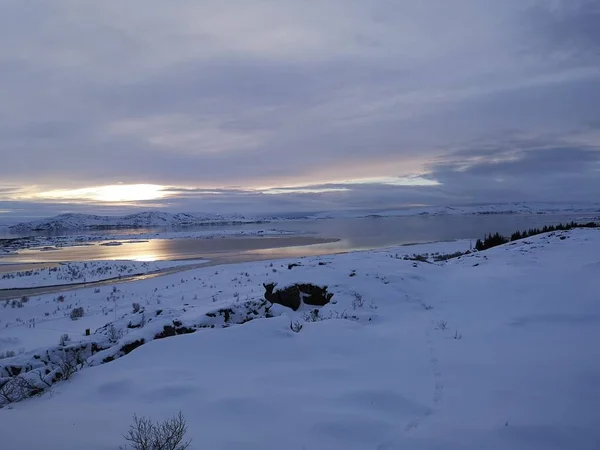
column 493, row 350
column 84, row 272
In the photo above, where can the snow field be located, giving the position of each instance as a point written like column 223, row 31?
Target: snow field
column 493, row 350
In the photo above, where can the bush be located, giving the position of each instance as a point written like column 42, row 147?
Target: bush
column 441, row 325
column 168, row 435
column 114, row 334
column 64, row 338
column 358, row 301
column 69, row 362
column 136, row 307
column 7, row 354
column 77, row 313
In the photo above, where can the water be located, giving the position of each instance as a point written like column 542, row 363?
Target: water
column 349, row 235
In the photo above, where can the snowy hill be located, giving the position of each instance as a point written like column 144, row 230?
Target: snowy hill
column 139, row 220
column 494, row 350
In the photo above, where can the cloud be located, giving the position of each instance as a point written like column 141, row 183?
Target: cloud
column 228, row 99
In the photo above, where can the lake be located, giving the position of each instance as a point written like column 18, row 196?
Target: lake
column 316, row 237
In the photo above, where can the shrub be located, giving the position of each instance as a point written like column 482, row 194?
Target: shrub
column 64, row 338
column 69, row 362
column 296, row 326
column 358, row 301
column 143, row 434
column 447, row 256
column 441, row 325
column 313, row 316
column 136, row 307
column 114, row 334
column 7, row 354
column 77, row 313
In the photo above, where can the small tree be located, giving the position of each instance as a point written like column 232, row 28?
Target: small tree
column 168, row 435
column 70, row 361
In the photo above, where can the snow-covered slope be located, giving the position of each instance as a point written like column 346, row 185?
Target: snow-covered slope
column 496, row 350
column 139, row 220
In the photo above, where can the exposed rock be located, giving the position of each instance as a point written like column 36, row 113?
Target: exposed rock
column 128, row 348
column 288, row 297
column 315, row 295
column 293, row 296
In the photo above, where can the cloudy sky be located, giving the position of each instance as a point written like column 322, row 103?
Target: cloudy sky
column 281, row 105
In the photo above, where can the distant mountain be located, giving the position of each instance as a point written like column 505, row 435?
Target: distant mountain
column 74, row 222
column 66, row 222
column 501, row 208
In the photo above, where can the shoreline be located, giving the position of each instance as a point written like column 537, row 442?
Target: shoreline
column 226, row 259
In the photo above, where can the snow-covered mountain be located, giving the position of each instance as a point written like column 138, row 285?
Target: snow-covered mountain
column 151, row 219
column 139, row 220
column 501, row 208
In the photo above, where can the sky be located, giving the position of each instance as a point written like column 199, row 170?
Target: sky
column 279, row 105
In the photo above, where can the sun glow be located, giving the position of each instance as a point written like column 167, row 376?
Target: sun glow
column 109, row 194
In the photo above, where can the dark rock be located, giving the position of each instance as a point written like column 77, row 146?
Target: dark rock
column 128, row 348
column 293, row 296
column 14, row 370
column 95, row 348
column 315, row 295
column 185, row 330
column 167, row 331
column 288, row 297
column 226, row 313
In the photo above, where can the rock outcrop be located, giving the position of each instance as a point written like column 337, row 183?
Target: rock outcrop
column 294, row 295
